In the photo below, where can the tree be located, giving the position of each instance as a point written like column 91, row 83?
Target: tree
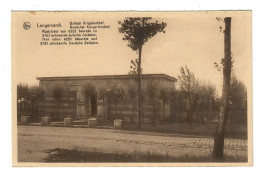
column 22, row 98
column 102, row 94
column 57, row 92
column 41, row 97
column 121, row 95
column 238, row 99
column 90, row 91
column 238, row 92
column 117, row 94
column 207, row 96
column 131, row 90
column 137, row 31
column 164, row 96
column 189, row 85
column 197, row 99
column 152, row 92
column 134, row 69
column 218, row 149
column 34, row 100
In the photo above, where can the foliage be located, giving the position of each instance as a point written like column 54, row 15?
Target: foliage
column 152, row 90
column 22, row 92
column 137, row 31
column 207, row 91
column 238, row 93
column 132, row 91
column 102, row 92
column 188, row 82
column 89, row 89
column 134, row 69
column 164, row 94
column 117, row 93
column 57, row 92
column 152, row 93
column 28, row 98
column 40, row 93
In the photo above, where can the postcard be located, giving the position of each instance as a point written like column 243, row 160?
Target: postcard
column 131, row 88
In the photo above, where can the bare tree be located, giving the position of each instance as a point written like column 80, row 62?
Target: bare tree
column 137, row 31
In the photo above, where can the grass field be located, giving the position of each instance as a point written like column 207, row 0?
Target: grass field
column 66, row 155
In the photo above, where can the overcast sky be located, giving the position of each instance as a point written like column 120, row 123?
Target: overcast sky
column 191, row 39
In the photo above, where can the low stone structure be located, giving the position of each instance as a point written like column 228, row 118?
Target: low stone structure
column 92, row 122
column 45, row 121
column 118, row 123
column 25, row 120
column 68, row 121
column 104, row 102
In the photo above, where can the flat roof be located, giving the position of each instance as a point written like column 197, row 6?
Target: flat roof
column 106, row 77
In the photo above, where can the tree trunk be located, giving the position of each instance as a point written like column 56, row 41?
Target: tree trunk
column 140, row 83
column 220, row 133
column 23, row 108
column 121, row 109
column 133, row 110
column 139, row 89
column 116, row 109
column 20, row 111
column 197, row 113
column 189, row 111
column 89, row 106
column 58, row 109
column 43, row 107
column 164, row 111
column 203, row 114
column 231, row 122
column 104, row 109
column 153, row 114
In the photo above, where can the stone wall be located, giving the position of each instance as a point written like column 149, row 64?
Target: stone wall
column 74, row 102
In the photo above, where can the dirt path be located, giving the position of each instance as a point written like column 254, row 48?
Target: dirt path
column 34, row 141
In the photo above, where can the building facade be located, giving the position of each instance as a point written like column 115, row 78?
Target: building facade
column 111, row 97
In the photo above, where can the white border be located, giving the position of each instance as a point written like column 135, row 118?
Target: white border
column 5, row 72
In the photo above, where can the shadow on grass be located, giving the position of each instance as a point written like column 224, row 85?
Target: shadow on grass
column 76, row 156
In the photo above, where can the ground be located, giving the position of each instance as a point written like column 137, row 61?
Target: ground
column 35, row 141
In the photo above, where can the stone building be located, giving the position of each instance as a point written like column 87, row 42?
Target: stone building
column 111, row 97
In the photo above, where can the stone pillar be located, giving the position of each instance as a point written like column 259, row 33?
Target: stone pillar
column 45, row 121
column 68, row 121
column 25, row 120
column 118, row 123
column 92, row 122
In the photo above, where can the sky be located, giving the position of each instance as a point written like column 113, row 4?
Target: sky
column 191, row 38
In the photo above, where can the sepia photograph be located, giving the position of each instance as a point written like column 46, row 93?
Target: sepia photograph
column 131, row 88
